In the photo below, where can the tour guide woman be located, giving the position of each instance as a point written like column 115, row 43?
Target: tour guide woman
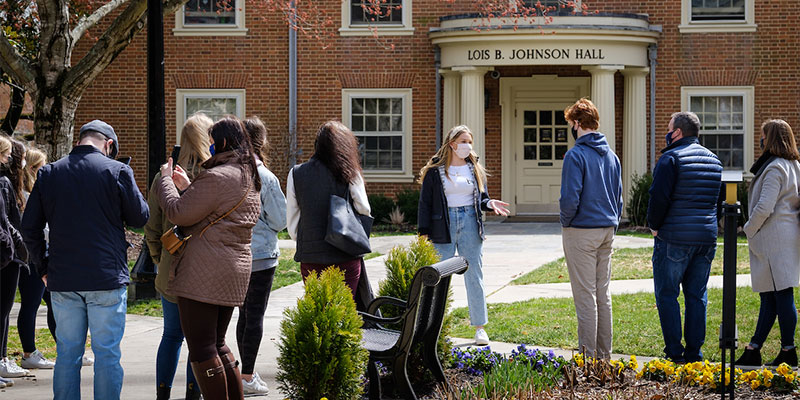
column 773, row 233
column 210, row 274
column 450, row 203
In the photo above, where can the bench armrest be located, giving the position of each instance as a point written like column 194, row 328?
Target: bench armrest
column 373, row 306
column 369, row 318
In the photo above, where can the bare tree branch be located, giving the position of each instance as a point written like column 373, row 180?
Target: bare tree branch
column 115, row 39
column 16, row 66
column 91, row 20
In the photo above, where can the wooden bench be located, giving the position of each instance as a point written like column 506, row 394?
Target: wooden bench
column 420, row 322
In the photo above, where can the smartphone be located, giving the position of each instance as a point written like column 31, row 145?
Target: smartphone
column 125, row 160
column 176, row 151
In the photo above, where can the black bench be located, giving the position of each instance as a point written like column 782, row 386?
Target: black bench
column 420, row 322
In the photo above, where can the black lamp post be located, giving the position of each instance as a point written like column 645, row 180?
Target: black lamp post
column 728, row 334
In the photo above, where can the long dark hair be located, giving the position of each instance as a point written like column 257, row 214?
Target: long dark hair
column 229, row 134
column 337, row 148
column 258, row 137
column 13, row 170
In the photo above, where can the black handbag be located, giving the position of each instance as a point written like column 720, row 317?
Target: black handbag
column 347, row 230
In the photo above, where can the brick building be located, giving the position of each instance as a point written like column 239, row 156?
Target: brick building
column 734, row 62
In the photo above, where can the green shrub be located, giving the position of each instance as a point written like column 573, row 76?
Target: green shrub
column 401, row 265
column 320, row 352
column 408, row 202
column 639, row 196
column 381, row 207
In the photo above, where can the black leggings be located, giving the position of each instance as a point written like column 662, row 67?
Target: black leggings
column 31, row 292
column 8, row 288
column 204, row 327
column 250, row 328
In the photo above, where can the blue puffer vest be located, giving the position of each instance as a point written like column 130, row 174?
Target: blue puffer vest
column 692, row 215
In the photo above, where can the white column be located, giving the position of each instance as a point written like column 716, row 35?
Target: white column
column 451, row 101
column 472, row 106
column 603, row 98
column 634, row 127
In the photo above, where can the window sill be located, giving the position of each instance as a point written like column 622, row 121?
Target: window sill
column 717, row 28
column 388, row 178
column 381, row 31
column 209, row 31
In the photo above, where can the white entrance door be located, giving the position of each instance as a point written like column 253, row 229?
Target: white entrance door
column 541, row 138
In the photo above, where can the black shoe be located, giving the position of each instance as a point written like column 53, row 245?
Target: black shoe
column 192, row 392
column 750, row 357
column 785, row 356
column 163, row 392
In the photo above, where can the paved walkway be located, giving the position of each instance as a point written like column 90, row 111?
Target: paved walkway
column 510, row 250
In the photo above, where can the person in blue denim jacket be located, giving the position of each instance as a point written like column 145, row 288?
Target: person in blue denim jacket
column 682, row 215
column 452, row 197
column 249, row 329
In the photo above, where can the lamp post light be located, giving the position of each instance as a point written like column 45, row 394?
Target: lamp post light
column 728, row 334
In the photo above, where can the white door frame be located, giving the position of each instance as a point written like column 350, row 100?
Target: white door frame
column 534, row 89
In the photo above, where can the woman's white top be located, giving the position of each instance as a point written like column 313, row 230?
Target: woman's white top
column 459, row 186
column 357, row 192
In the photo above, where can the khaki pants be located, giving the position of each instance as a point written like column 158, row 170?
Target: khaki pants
column 588, row 254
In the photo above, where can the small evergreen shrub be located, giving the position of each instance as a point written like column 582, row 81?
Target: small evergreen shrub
column 401, row 265
column 320, row 352
column 381, row 207
column 408, row 202
column 639, row 196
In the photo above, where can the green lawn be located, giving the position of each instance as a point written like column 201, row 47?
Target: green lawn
column 287, row 272
column 44, row 343
column 552, row 323
column 626, row 264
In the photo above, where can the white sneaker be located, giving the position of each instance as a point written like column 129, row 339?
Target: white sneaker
column 37, row 360
column 10, row 369
column 481, row 338
column 257, row 377
column 256, row 386
column 5, row 382
column 87, row 361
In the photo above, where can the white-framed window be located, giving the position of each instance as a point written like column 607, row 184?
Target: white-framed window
column 726, row 121
column 393, row 20
column 381, row 120
column 700, row 16
column 210, row 18
column 216, row 103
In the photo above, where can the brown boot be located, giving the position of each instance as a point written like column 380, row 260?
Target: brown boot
column 233, row 376
column 210, row 375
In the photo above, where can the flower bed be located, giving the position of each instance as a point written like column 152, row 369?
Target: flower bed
column 532, row 374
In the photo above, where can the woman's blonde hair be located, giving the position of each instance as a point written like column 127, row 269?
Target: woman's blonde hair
column 5, row 144
column 33, row 158
column 195, row 143
column 445, row 154
column 780, row 139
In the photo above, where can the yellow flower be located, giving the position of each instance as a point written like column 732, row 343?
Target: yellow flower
column 754, row 384
column 768, row 375
column 783, row 369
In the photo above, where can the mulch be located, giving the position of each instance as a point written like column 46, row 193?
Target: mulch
column 135, row 240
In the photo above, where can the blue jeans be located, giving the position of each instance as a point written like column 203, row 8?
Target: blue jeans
column 103, row 313
column 676, row 266
column 466, row 239
column 778, row 304
column 169, row 350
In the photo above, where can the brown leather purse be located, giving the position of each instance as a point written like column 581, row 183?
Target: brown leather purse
column 174, row 239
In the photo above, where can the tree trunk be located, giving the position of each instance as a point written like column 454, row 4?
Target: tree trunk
column 54, row 120
column 14, row 111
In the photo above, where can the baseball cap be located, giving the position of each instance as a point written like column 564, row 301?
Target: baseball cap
column 105, row 130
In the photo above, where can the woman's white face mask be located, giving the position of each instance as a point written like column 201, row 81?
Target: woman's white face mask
column 463, row 150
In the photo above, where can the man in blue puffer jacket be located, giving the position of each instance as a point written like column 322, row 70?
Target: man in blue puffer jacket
column 682, row 214
column 591, row 204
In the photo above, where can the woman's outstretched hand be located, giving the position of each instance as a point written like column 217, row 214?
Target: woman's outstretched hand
column 166, row 169
column 499, row 207
column 180, row 178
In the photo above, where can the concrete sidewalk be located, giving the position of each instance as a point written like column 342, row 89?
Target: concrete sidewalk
column 510, row 250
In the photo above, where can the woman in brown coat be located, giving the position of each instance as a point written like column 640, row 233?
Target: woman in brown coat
column 211, row 272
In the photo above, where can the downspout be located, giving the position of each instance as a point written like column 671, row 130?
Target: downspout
column 652, row 55
column 437, row 62
column 292, row 86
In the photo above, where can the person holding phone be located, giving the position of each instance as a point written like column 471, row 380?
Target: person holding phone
column 191, row 154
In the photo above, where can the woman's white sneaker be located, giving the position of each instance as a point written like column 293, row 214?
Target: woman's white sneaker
column 481, row 338
column 255, row 386
column 37, row 361
column 10, row 369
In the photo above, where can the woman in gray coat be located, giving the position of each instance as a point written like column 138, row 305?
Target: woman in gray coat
column 773, row 232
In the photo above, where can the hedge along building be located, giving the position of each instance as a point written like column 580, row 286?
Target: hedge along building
column 732, row 62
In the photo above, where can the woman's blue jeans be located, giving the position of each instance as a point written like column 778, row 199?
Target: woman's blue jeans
column 465, row 238
column 169, row 351
column 778, row 304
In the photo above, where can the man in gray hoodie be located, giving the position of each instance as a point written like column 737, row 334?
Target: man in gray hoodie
column 591, row 205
